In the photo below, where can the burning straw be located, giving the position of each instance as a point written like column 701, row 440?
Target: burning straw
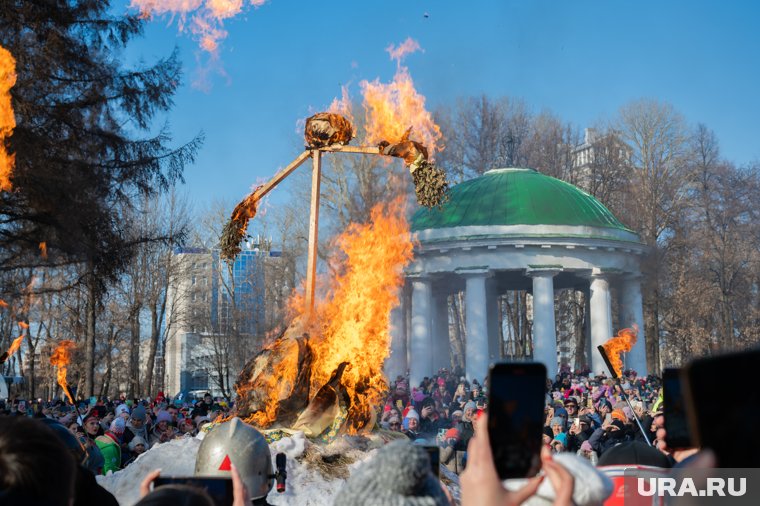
column 235, row 229
column 430, row 184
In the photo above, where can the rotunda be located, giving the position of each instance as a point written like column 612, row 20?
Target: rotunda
column 513, row 229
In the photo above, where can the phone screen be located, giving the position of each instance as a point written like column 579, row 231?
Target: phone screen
column 220, row 489
column 674, row 405
column 516, row 417
column 723, row 406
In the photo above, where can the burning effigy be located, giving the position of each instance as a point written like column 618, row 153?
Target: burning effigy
column 332, row 132
column 323, row 375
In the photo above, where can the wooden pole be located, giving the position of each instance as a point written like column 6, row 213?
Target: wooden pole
column 311, row 263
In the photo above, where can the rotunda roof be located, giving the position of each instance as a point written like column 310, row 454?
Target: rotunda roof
column 519, row 196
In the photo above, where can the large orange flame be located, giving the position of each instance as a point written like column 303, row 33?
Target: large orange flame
column 622, row 342
column 206, row 16
column 61, row 358
column 7, row 120
column 355, row 317
column 391, row 109
column 351, row 323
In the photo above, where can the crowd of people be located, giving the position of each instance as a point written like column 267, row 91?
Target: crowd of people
column 115, row 432
column 584, row 414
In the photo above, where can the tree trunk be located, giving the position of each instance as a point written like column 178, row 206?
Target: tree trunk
column 155, row 330
column 134, row 353
column 89, row 343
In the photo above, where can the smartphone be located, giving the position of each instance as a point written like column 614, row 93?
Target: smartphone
column 434, row 453
column 516, row 417
column 22, row 405
column 674, row 406
column 608, row 418
column 576, row 422
column 723, row 405
column 220, row 489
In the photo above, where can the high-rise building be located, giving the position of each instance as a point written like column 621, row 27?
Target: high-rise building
column 212, row 303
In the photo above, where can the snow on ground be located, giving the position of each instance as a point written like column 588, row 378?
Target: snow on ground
column 306, row 485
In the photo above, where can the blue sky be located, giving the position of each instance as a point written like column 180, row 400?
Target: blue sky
column 580, row 59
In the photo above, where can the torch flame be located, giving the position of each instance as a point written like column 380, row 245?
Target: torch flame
column 15, row 345
column 43, row 250
column 23, row 325
column 3, row 304
column 623, row 342
column 61, row 358
column 392, row 109
column 7, row 120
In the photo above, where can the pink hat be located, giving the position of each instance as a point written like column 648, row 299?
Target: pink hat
column 441, row 382
column 586, row 447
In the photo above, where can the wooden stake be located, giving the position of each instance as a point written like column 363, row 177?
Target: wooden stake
column 311, row 263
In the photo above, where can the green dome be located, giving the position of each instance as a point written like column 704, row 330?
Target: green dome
column 516, row 197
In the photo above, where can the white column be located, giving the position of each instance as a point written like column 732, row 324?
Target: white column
column 396, row 364
column 421, row 353
column 544, row 325
column 632, row 311
column 476, row 352
column 441, row 342
column 493, row 321
column 601, row 320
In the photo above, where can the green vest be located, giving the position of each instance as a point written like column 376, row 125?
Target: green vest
column 111, row 453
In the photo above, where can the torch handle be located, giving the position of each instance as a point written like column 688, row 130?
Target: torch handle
column 635, row 417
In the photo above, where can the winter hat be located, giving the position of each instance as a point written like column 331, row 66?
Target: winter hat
column 387, row 408
column 441, row 382
column 121, row 409
column 562, row 438
column 618, row 414
column 393, row 419
column 163, row 416
column 557, row 421
column 118, row 426
column 137, row 440
column 412, row 413
column 591, row 486
column 91, row 414
column 561, row 412
column 470, row 405
column 399, row 474
column 418, row 396
column 586, row 446
column 138, row 413
column 458, row 413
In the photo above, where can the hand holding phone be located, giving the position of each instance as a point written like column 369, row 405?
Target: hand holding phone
column 516, row 417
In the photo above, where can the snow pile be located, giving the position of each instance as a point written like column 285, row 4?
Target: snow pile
column 175, row 458
column 315, row 472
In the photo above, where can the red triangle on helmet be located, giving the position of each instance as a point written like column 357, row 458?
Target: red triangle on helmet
column 226, row 464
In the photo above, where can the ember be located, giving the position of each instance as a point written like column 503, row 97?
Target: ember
column 7, row 121
column 61, row 358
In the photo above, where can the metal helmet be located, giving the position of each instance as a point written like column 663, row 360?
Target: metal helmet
column 236, row 442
